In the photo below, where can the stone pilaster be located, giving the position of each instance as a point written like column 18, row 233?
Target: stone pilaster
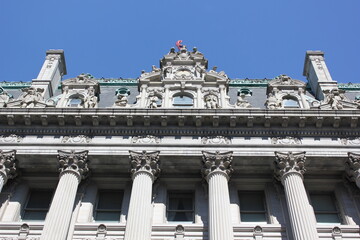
column 7, row 167
column 289, row 169
column 73, row 168
column 217, row 170
column 144, row 170
column 352, row 168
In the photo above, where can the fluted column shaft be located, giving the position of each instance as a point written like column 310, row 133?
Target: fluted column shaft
column 58, row 218
column 3, row 179
column 73, row 167
column 289, row 169
column 220, row 226
column 217, row 170
column 139, row 222
column 144, row 170
column 301, row 215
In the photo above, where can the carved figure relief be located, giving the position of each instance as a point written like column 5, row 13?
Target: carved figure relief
column 285, row 140
column 153, row 99
column 90, row 100
column 242, row 102
column 216, row 140
column 5, row 97
column 211, row 101
column 121, row 101
column 145, row 139
column 334, row 97
column 30, row 97
column 273, row 102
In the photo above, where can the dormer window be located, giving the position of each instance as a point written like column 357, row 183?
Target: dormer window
column 75, row 101
column 183, row 101
column 290, row 103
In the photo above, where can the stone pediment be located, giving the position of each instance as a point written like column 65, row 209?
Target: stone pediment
column 284, row 80
column 81, row 81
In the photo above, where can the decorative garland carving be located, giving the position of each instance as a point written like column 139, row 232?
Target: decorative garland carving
column 12, row 138
column 216, row 140
column 145, row 139
column 76, row 162
column 217, row 161
column 76, row 139
column 287, row 162
column 145, row 162
column 7, row 165
column 286, row 140
column 352, row 168
column 350, row 141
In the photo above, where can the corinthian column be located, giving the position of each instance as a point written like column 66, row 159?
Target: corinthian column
column 73, row 168
column 217, row 170
column 7, row 167
column 144, row 171
column 289, row 169
column 352, row 168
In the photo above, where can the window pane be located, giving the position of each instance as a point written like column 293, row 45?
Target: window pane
column 327, row 218
column 251, row 201
column 323, row 202
column 180, row 207
column 110, row 200
column 180, row 216
column 75, row 102
column 180, row 201
column 107, row 216
column 34, row 215
column 39, row 199
column 183, row 101
column 290, row 103
column 253, row 217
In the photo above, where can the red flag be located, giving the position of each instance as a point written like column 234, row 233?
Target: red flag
column 179, row 45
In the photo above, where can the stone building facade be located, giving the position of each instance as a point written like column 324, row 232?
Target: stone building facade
column 182, row 152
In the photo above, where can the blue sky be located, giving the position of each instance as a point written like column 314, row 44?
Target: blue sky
column 112, row 38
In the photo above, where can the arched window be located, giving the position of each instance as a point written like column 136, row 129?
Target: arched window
column 290, row 103
column 183, row 101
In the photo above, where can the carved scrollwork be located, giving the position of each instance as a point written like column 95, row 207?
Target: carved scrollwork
column 352, row 167
column 216, row 140
column 12, row 138
column 76, row 139
column 145, row 162
column 286, row 140
column 76, row 162
column 145, row 139
column 220, row 162
column 289, row 162
column 7, row 164
column 350, row 141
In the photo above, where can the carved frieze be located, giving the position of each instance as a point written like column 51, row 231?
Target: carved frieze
column 350, row 141
column 12, row 138
column 286, row 140
column 76, row 139
column 145, row 139
column 216, row 162
column 215, row 140
column 76, row 162
column 145, row 162
column 7, row 164
column 289, row 162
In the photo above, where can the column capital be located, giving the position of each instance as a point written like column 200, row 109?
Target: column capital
column 289, row 162
column 352, row 168
column 7, row 164
column 75, row 162
column 145, row 162
column 216, row 162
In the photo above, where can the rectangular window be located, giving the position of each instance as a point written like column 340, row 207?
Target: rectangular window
column 37, row 205
column 252, row 206
column 180, row 207
column 325, row 208
column 108, row 206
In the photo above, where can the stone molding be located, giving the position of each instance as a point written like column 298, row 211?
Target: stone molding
column 216, row 162
column 11, row 138
column 352, row 167
column 289, row 162
column 76, row 162
column 7, row 164
column 76, row 139
column 145, row 162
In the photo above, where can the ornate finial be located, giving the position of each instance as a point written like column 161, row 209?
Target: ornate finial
column 352, row 168
column 289, row 162
column 216, row 162
column 145, row 162
column 75, row 162
column 7, row 165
